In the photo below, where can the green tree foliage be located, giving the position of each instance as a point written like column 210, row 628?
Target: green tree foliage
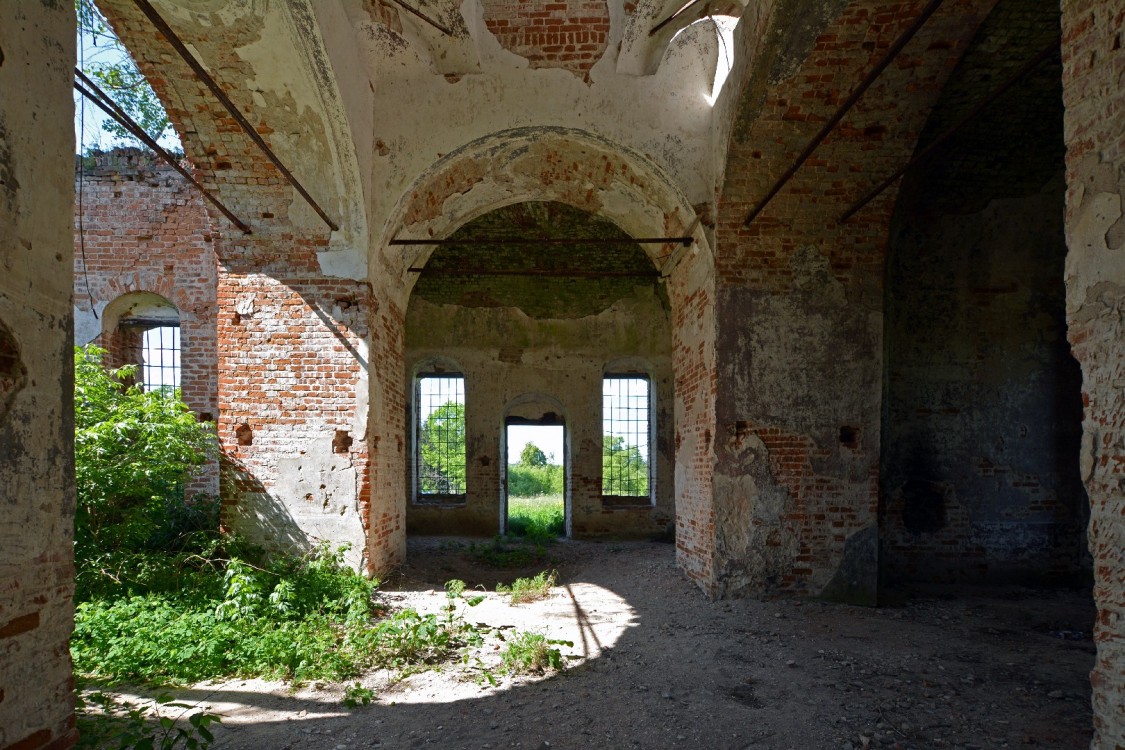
column 132, row 453
column 532, row 455
column 442, row 448
column 531, row 481
column 118, row 76
column 624, row 469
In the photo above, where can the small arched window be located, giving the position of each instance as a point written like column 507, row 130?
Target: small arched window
column 627, row 458
column 439, row 437
column 143, row 329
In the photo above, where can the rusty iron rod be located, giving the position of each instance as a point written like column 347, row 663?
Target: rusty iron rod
column 996, row 93
column 205, row 77
column 424, row 17
column 110, row 108
column 685, row 241
column 844, row 108
column 672, row 17
column 568, row 274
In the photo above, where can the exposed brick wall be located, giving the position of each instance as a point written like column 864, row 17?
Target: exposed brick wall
column 799, row 349
column 292, row 355
column 36, row 376
column 1093, row 59
column 292, row 341
column 142, row 228
column 567, row 34
column 691, row 292
column 983, row 410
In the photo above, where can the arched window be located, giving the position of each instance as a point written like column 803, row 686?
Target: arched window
column 627, row 458
column 143, row 329
column 439, row 437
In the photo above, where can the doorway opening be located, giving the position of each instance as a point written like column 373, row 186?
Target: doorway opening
column 535, row 486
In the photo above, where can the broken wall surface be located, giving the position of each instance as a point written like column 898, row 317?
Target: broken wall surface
column 1094, row 97
column 983, row 407
column 36, row 375
column 543, row 324
column 297, row 324
column 293, row 360
column 141, row 228
column 799, row 348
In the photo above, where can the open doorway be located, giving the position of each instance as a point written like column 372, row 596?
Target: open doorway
column 535, row 487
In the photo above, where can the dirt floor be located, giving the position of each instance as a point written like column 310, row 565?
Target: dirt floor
column 655, row 664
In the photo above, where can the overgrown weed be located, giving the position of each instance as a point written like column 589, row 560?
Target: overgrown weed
column 507, row 553
column 529, row 589
column 532, row 653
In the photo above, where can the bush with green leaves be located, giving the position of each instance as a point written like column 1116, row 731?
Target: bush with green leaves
column 624, row 469
column 133, row 451
column 532, row 481
column 532, row 653
column 292, row 618
column 441, row 443
column 105, row 721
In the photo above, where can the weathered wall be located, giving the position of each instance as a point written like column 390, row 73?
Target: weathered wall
column 293, row 360
column 979, row 475
column 140, row 227
column 1094, row 97
column 296, row 324
column 983, row 412
column 799, row 299
column 36, row 375
column 548, row 336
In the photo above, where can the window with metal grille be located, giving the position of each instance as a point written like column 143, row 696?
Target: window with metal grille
column 440, row 435
column 160, row 359
column 626, row 430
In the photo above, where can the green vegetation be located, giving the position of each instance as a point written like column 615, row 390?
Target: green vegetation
column 442, row 447
column 163, row 597
column 624, row 469
column 532, row 653
column 535, row 496
column 530, row 589
column 105, row 721
column 356, row 695
column 538, row 519
column 533, row 455
column 118, row 76
column 507, row 553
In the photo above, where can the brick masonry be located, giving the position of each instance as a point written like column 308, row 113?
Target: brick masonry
column 1094, row 97
column 569, row 35
column 36, row 377
column 808, row 290
column 139, row 227
column 980, row 460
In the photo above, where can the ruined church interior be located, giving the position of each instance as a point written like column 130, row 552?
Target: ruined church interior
column 858, row 266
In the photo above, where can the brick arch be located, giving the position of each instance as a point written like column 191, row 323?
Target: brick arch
column 593, row 174
column 569, row 166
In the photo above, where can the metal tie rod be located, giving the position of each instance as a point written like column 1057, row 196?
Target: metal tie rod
column 996, row 93
column 209, row 82
column 685, row 241
column 844, row 108
column 107, row 105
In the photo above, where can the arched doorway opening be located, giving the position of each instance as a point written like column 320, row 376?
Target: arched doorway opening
column 534, row 301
